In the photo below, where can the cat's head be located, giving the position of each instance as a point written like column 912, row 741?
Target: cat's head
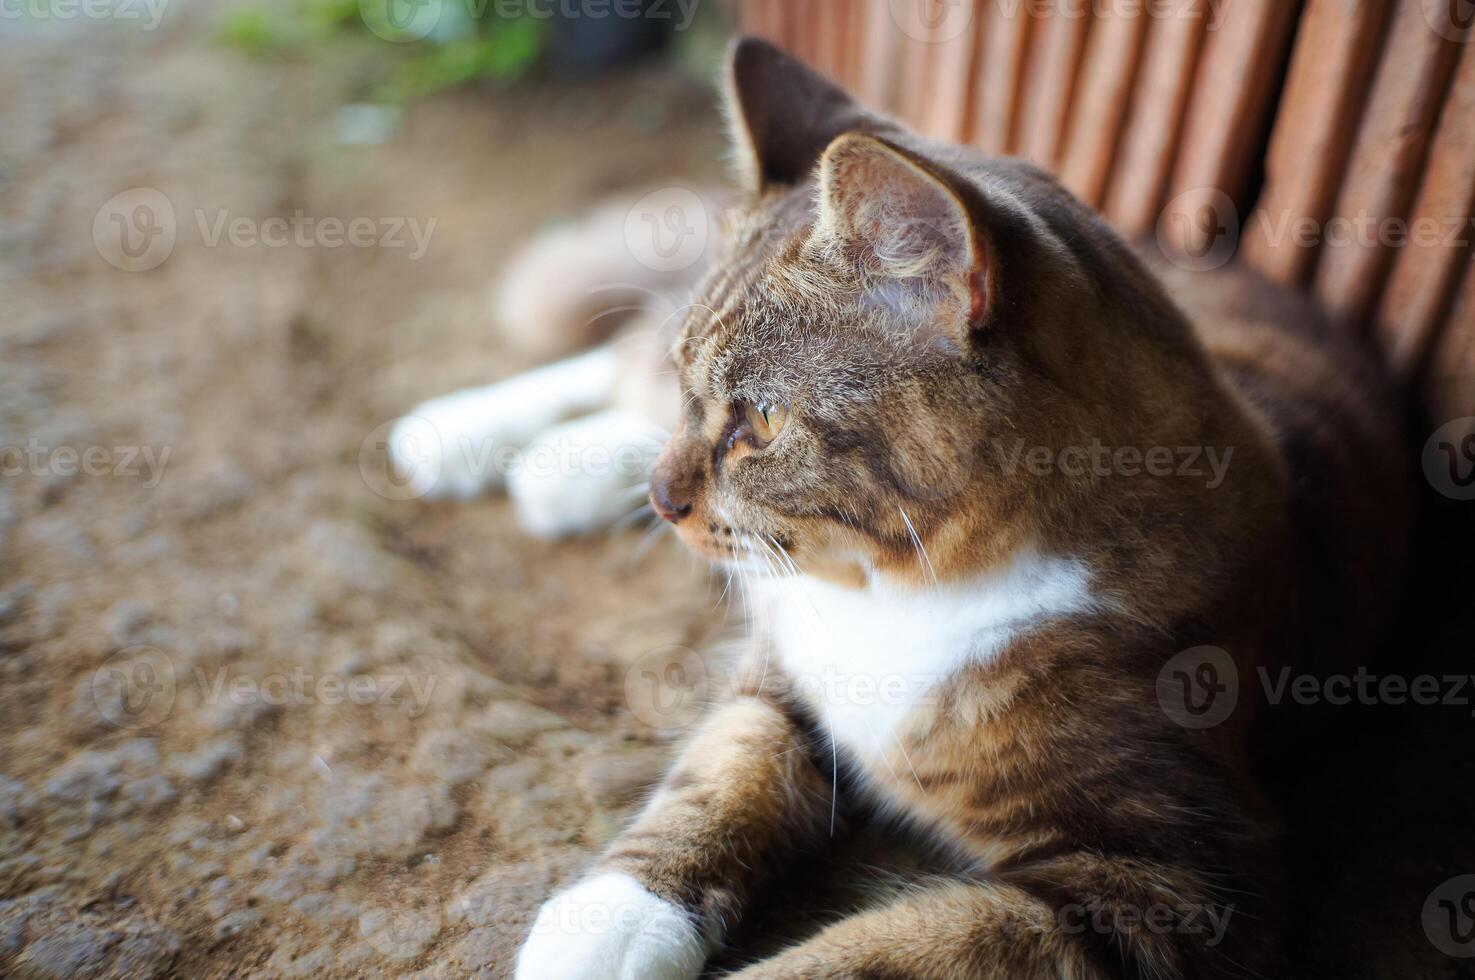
column 893, row 321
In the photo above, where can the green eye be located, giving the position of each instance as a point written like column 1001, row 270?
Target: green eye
column 765, row 421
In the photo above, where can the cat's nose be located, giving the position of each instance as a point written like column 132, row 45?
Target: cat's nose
column 668, row 506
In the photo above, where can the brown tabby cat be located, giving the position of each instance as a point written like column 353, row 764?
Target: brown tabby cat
column 998, row 480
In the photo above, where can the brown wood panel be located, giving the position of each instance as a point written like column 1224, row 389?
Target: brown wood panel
column 1448, row 384
column 947, row 112
column 767, row 19
column 855, row 44
column 1006, row 39
column 880, row 69
column 831, row 26
column 747, row 17
column 1336, row 54
column 1232, row 95
column 1113, row 52
column 859, row 34
column 1387, row 160
column 917, row 67
column 1155, row 120
column 1427, row 269
column 803, row 30
column 1050, row 81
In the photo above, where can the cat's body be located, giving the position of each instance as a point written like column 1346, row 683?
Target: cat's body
column 995, row 487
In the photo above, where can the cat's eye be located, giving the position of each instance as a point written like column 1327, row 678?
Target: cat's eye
column 765, row 421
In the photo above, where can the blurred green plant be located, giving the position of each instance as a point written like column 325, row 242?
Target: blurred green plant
column 439, row 44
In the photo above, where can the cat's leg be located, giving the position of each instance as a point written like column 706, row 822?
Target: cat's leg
column 463, row 444
column 1082, row 916
column 586, row 474
column 743, row 793
column 583, row 475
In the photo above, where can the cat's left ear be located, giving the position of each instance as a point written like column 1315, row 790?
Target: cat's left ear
column 782, row 114
column 903, row 224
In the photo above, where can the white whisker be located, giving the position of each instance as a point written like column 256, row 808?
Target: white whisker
column 908, row 758
column 917, row 543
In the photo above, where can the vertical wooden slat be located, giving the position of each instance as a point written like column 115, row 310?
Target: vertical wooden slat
column 1232, row 96
column 796, row 30
column 748, row 17
column 880, row 70
column 1112, row 54
column 1155, row 120
column 1050, row 81
column 775, row 21
column 1387, row 160
column 1427, row 269
column 1326, row 89
column 916, row 79
column 857, row 18
column 947, row 111
column 1006, row 39
column 830, row 39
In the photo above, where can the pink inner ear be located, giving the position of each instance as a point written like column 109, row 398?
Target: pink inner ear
column 978, row 285
column 896, row 211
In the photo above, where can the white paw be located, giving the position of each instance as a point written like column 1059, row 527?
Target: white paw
column 462, row 444
column 584, row 475
column 611, row 928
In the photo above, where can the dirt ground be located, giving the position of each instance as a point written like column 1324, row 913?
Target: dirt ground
column 258, row 717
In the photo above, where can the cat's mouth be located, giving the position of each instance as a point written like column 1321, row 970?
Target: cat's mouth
column 762, row 552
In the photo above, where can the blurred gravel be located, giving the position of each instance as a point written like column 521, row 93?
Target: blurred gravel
column 255, row 718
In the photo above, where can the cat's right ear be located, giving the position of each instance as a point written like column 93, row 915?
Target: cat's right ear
column 783, row 114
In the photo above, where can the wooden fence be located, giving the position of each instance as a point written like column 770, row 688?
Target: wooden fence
column 1328, row 143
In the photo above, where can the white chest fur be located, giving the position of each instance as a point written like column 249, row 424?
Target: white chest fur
column 863, row 659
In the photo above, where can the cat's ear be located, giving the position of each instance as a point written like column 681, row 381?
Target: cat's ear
column 902, row 223
column 782, row 114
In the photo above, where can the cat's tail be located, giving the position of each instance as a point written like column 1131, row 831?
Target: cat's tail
column 578, row 282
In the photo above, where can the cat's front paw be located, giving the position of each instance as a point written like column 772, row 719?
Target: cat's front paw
column 611, row 928
column 452, row 447
column 584, row 475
